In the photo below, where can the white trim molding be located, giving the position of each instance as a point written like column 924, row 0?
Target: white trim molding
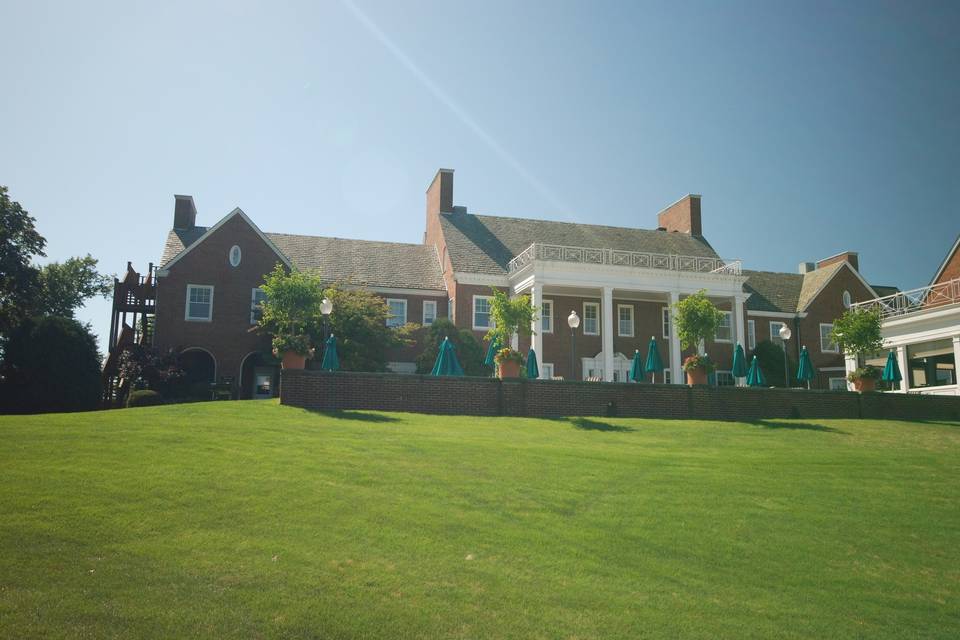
column 186, row 308
column 594, row 305
column 473, row 314
column 391, row 316
column 620, row 332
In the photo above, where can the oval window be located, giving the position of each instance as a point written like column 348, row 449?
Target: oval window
column 234, row 256
column 846, row 299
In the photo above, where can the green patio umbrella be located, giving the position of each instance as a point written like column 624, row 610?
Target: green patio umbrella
column 654, row 364
column 492, row 352
column 891, row 372
column 330, row 360
column 805, row 372
column 755, row 375
column 447, row 363
column 636, row 367
column 533, row 371
column 739, row 367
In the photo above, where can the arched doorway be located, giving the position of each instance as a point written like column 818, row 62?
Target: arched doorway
column 259, row 377
column 199, row 366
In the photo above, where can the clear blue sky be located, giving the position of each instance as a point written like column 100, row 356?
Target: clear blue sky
column 809, row 128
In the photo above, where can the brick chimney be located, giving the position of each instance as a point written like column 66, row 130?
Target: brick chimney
column 847, row 256
column 440, row 193
column 184, row 212
column 683, row 216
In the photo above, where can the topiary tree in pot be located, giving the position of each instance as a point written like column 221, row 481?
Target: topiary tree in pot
column 291, row 312
column 857, row 332
column 696, row 320
column 509, row 316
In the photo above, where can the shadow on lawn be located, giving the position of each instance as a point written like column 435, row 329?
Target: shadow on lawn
column 802, row 426
column 359, row 416
column 586, row 424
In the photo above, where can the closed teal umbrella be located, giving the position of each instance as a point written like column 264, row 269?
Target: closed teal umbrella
column 739, row 367
column 755, row 375
column 330, row 360
column 492, row 352
column 447, row 363
column 891, row 372
column 805, row 371
column 533, row 371
column 654, row 364
column 636, row 367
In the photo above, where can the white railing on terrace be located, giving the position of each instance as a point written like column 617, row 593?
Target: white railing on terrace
column 923, row 299
column 616, row 257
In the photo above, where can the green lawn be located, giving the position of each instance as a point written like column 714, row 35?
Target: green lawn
column 248, row 519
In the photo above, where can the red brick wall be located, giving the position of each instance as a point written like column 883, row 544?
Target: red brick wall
column 683, row 216
column 952, row 270
column 847, row 256
column 544, row 398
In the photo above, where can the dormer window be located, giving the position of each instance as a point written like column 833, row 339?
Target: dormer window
column 235, row 256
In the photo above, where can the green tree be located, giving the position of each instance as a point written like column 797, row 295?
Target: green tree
column 857, row 331
column 359, row 322
column 510, row 316
column 51, row 364
column 770, row 358
column 696, row 319
column 19, row 279
column 291, row 311
column 65, row 286
column 470, row 352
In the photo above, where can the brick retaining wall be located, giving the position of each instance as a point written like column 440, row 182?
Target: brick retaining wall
column 547, row 398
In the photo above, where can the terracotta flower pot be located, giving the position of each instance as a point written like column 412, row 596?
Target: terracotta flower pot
column 697, row 376
column 508, row 369
column 293, row 360
column 865, row 384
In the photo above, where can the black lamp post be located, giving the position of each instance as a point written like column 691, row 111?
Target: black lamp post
column 573, row 321
column 785, row 334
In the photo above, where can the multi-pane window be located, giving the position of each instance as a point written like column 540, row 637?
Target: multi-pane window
column 751, row 334
column 666, row 322
column 396, row 312
column 481, row 312
column 667, row 376
column 625, row 320
column 725, row 328
column 546, row 315
column 199, row 302
column 838, row 384
column 257, row 298
column 827, row 345
column 591, row 318
column 775, row 332
column 429, row 311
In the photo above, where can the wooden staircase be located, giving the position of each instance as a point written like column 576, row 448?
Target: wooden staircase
column 131, row 324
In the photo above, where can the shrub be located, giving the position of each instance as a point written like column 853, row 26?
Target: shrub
column 359, row 322
column 291, row 311
column 857, row 331
column 470, row 352
column 696, row 320
column 770, row 358
column 869, row 372
column 52, row 364
column 144, row 398
column 698, row 362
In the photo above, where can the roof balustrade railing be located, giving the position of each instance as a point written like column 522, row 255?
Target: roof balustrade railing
column 904, row 303
column 619, row 258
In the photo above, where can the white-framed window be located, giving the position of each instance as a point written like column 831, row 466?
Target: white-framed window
column 397, row 312
column 826, row 344
column 667, row 377
column 546, row 316
column 591, row 318
column 725, row 379
column 235, row 256
column 775, row 332
column 725, row 328
column 625, row 320
column 481, row 312
column 751, row 334
column 666, row 322
column 199, row 303
column 429, row 311
column 847, row 301
column 257, row 297
column 546, row 370
column 838, row 384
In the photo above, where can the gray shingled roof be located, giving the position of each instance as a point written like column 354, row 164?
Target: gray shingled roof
column 773, row 291
column 485, row 244
column 813, row 281
column 355, row 262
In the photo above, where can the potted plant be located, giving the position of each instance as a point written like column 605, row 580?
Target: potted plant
column 857, row 332
column 509, row 316
column 698, row 368
column 696, row 319
column 291, row 313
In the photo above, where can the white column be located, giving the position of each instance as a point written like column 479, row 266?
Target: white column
column 956, row 357
column 902, row 362
column 739, row 322
column 536, row 325
column 676, row 365
column 850, row 364
column 607, row 334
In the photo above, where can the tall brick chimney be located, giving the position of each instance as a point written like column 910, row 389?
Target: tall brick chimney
column 683, row 216
column 440, row 193
column 847, row 256
column 184, row 212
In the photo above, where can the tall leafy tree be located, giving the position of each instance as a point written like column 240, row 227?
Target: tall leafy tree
column 65, row 286
column 470, row 352
column 19, row 279
column 359, row 321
